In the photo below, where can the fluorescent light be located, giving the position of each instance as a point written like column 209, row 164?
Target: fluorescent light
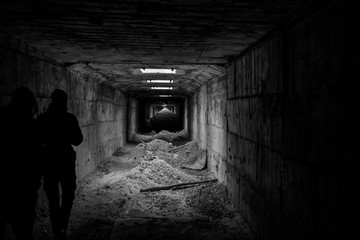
column 158, row 70
column 162, row 88
column 160, row 81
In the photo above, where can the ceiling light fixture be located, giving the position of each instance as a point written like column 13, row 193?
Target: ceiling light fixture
column 158, row 70
column 160, row 81
column 161, row 88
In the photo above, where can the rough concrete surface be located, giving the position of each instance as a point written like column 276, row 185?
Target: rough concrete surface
column 287, row 111
column 208, row 123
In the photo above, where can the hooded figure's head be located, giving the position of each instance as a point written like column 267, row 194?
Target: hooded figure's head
column 24, row 101
column 58, row 100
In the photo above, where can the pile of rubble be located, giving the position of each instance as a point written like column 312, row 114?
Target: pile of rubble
column 124, row 163
column 158, row 182
column 131, row 152
column 171, row 136
column 168, row 203
column 150, row 174
column 156, row 145
column 166, row 135
column 211, row 200
column 138, row 138
column 162, row 135
column 188, row 150
column 188, row 156
column 116, row 190
column 160, row 172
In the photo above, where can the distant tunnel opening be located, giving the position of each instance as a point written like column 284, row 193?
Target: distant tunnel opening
column 163, row 118
column 156, row 114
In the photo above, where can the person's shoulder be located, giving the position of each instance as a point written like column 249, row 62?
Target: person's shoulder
column 71, row 117
column 2, row 110
column 42, row 116
column 5, row 108
column 5, row 111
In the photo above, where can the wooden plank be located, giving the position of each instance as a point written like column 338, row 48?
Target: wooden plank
column 168, row 187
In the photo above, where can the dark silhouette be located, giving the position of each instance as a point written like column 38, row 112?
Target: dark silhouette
column 20, row 176
column 59, row 131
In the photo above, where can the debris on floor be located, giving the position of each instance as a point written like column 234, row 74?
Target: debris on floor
column 190, row 151
column 188, row 156
column 138, row 138
column 166, row 135
column 162, row 135
column 149, row 174
column 196, row 162
column 183, row 134
column 177, row 229
column 118, row 189
column 211, row 201
column 156, row 145
column 176, row 186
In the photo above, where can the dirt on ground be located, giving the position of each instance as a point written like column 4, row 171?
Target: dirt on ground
column 162, row 135
column 114, row 191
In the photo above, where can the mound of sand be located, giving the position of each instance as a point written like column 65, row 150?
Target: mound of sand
column 149, row 174
column 156, row 145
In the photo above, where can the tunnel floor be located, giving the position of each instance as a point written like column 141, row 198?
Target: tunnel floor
column 109, row 204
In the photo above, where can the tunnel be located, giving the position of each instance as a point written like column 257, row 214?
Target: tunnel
column 266, row 92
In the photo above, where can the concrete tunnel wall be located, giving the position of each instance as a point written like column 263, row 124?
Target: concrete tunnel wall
column 101, row 110
column 133, row 117
column 288, row 128
column 207, row 112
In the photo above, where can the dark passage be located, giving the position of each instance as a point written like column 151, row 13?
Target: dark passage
column 242, row 115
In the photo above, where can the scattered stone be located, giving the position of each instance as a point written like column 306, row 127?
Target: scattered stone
column 158, row 172
column 138, row 138
column 198, row 162
column 114, row 190
column 156, row 145
column 162, row 135
column 166, row 136
column 183, row 134
column 211, row 201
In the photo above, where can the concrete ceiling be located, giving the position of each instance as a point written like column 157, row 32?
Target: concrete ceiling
column 112, row 39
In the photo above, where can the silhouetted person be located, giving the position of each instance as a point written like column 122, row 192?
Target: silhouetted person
column 20, row 176
column 59, row 131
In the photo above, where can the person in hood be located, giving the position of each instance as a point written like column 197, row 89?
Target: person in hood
column 20, row 176
column 60, row 131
